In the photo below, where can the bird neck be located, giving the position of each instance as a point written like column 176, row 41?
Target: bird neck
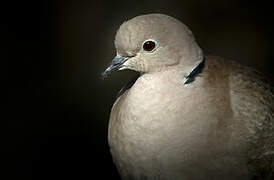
column 192, row 62
column 190, row 76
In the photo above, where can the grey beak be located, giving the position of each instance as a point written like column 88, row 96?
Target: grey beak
column 115, row 65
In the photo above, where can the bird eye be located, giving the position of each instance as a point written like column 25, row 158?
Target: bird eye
column 149, row 45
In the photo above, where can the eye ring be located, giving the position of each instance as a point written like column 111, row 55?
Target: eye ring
column 149, row 45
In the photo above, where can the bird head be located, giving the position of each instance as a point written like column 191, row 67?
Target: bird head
column 154, row 42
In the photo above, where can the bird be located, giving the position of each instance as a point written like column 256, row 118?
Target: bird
column 187, row 115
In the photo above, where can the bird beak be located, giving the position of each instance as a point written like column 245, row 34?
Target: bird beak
column 116, row 64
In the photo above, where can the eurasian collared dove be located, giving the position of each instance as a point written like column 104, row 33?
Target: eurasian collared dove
column 187, row 116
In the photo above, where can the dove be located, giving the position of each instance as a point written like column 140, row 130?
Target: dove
column 187, row 115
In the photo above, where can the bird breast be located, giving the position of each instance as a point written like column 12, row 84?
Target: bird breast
column 162, row 123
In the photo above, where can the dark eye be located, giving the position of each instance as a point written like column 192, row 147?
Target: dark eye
column 149, row 45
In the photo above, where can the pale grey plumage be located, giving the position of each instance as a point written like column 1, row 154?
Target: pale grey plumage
column 220, row 126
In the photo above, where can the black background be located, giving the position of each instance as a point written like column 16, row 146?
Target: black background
column 56, row 116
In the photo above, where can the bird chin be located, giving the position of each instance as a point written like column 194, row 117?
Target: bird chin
column 123, row 68
column 127, row 67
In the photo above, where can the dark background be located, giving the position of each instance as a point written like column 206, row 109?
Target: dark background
column 56, row 117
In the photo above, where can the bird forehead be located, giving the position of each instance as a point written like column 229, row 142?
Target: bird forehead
column 132, row 34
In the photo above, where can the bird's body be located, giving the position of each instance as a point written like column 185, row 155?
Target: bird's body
column 219, row 126
column 154, row 137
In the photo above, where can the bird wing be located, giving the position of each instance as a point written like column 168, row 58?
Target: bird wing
column 252, row 100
